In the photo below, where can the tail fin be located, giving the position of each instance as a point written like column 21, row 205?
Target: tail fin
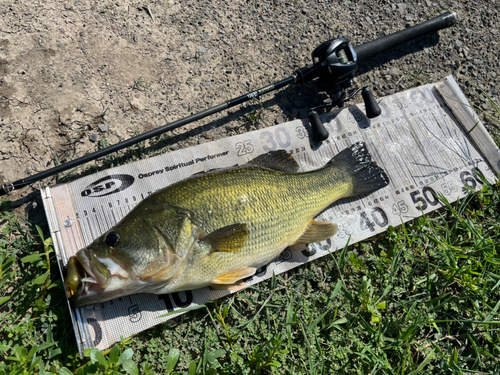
column 366, row 176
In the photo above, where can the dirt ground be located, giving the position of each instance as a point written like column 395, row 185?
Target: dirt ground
column 76, row 76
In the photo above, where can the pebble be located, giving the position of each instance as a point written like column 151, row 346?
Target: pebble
column 94, row 137
column 280, row 119
column 104, row 127
column 394, row 72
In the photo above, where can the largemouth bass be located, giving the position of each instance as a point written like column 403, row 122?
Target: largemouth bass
column 218, row 227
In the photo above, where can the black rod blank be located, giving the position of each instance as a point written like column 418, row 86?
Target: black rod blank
column 142, row 137
column 305, row 74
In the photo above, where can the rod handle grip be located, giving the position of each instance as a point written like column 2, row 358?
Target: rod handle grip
column 368, row 50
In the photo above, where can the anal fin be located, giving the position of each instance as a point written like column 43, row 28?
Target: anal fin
column 234, row 276
column 317, row 231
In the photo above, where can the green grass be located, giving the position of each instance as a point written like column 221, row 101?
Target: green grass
column 421, row 298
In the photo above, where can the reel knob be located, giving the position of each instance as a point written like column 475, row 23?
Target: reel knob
column 319, row 132
column 372, row 108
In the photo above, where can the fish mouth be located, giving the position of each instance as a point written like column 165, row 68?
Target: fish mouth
column 93, row 274
column 82, row 278
column 91, row 279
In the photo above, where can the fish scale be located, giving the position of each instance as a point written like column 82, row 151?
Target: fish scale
column 277, row 210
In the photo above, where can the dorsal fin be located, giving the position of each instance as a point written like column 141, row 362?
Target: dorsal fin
column 278, row 160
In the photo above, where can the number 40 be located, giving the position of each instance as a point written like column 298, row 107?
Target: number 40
column 378, row 218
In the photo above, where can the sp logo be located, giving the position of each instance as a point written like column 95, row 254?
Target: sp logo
column 108, row 185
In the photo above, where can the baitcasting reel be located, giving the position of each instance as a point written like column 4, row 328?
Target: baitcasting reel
column 336, row 64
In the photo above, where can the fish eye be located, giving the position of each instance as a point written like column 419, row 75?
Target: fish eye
column 112, row 238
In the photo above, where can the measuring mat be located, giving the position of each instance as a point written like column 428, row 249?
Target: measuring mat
column 428, row 140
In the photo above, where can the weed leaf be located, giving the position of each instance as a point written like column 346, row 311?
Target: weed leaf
column 31, row 258
column 172, row 359
column 130, row 367
column 41, row 279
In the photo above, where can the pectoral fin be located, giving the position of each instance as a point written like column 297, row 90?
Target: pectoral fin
column 234, row 276
column 162, row 269
column 317, row 231
column 229, row 239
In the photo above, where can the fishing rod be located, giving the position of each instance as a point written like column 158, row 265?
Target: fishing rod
column 335, row 64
